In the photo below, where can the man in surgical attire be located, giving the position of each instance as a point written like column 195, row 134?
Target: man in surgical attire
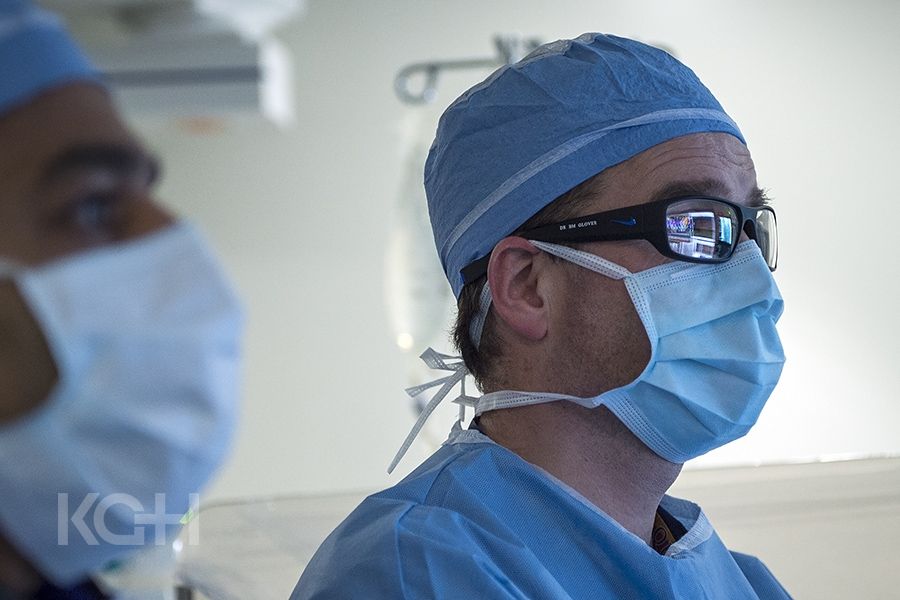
column 118, row 332
column 598, row 217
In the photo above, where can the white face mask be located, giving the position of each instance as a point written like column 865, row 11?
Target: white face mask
column 145, row 336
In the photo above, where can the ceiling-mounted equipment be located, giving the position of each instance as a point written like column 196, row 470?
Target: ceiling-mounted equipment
column 189, row 57
column 510, row 49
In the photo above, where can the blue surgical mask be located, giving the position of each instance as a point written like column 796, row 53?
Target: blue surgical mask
column 715, row 352
column 145, row 336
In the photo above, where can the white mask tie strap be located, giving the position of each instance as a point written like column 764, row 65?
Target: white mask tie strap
column 440, row 362
column 484, row 305
column 589, row 261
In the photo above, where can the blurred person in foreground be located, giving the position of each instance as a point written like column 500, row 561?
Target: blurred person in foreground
column 598, row 217
column 119, row 334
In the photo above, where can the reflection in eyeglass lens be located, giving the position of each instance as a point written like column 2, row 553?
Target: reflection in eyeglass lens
column 699, row 233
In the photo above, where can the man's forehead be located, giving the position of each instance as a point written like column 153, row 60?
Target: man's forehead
column 71, row 109
column 71, row 116
column 705, row 164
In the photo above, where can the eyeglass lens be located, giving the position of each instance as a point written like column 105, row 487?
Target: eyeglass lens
column 767, row 236
column 700, row 228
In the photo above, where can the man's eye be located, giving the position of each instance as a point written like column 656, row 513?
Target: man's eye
column 95, row 211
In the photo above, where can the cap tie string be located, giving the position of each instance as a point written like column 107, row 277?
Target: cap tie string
column 458, row 372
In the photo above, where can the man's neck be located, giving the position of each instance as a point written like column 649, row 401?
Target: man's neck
column 591, row 451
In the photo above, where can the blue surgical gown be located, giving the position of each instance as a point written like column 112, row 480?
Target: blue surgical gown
column 476, row 521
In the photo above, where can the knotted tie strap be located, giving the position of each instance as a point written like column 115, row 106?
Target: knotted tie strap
column 438, row 362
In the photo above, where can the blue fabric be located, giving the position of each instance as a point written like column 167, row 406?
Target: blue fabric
column 534, row 130
column 476, row 521
column 36, row 54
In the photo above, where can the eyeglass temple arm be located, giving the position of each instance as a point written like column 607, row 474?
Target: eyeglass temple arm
column 620, row 224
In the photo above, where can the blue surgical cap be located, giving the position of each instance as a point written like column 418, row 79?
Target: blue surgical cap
column 534, row 130
column 36, row 54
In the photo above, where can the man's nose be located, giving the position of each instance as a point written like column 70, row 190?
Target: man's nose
column 147, row 217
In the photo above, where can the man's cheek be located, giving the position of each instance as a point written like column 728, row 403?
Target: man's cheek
column 27, row 369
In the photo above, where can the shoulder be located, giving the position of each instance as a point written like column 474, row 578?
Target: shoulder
column 443, row 554
column 433, row 535
column 760, row 577
column 447, row 520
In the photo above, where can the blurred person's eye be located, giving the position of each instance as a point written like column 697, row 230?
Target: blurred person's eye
column 98, row 211
column 90, row 193
column 89, row 203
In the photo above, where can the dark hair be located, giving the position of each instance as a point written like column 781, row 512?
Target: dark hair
column 481, row 361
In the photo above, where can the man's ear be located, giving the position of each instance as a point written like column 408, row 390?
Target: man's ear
column 517, row 299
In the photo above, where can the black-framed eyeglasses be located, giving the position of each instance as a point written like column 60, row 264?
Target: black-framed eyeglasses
column 695, row 229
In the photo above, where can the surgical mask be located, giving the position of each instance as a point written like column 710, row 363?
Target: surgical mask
column 715, row 352
column 145, row 336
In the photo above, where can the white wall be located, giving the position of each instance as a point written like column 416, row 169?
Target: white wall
column 301, row 216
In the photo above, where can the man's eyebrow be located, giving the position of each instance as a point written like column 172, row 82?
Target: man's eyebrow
column 122, row 159
column 710, row 187
column 758, row 197
column 698, row 187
